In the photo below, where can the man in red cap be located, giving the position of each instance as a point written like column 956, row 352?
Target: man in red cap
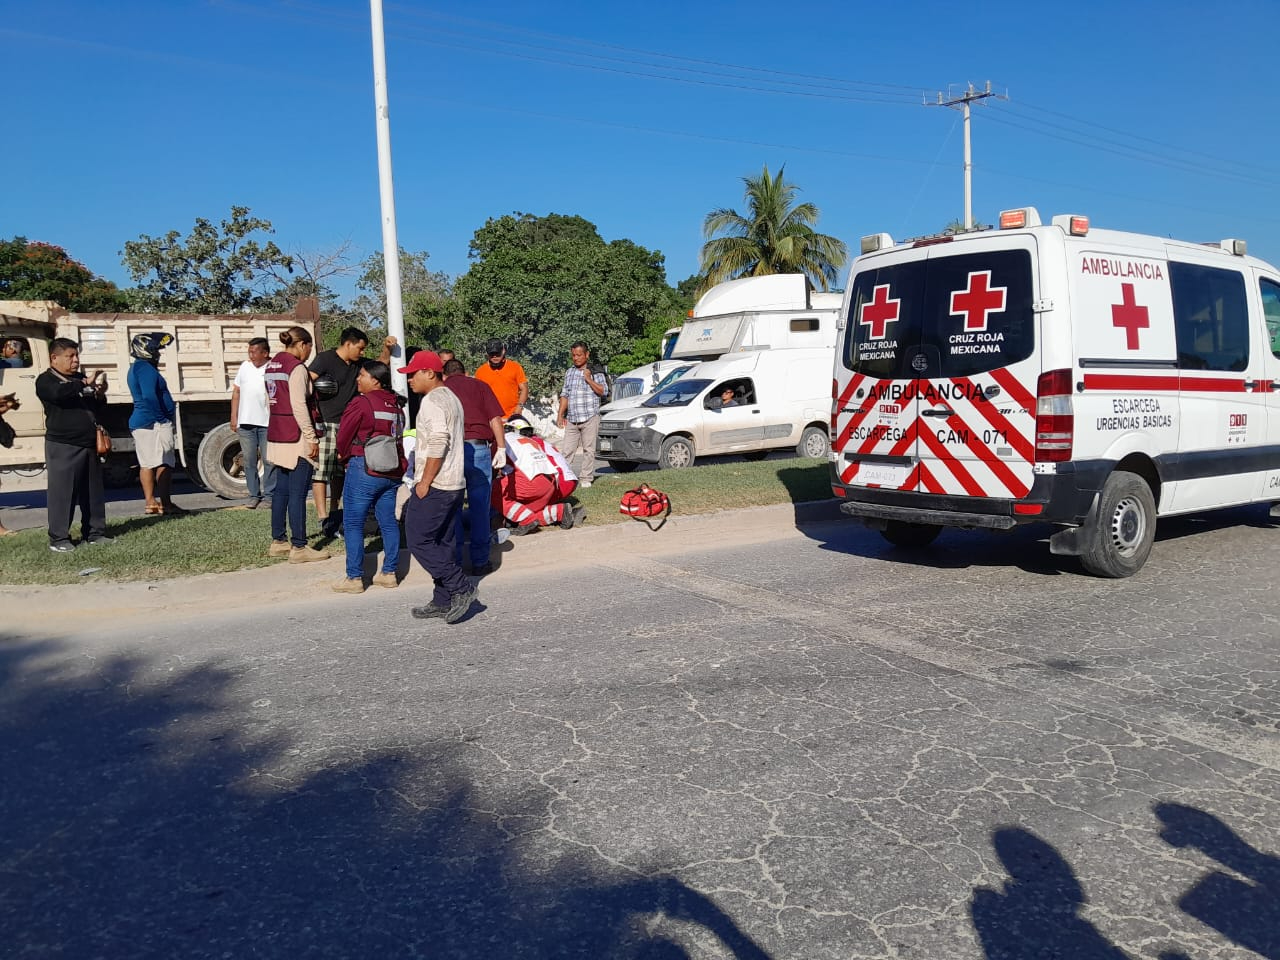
column 438, row 488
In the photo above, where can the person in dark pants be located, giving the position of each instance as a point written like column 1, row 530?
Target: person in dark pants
column 485, row 452
column 72, row 403
column 292, row 446
column 437, row 493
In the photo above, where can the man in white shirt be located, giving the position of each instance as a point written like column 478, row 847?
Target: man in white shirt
column 439, row 483
column 249, row 415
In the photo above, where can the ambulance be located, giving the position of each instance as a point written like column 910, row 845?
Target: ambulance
column 1092, row 379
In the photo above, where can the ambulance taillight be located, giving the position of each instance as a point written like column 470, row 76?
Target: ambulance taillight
column 1055, row 417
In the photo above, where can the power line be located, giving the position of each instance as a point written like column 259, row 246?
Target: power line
column 963, row 101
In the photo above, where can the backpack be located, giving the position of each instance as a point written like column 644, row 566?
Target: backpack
column 644, row 502
column 609, row 378
column 382, row 454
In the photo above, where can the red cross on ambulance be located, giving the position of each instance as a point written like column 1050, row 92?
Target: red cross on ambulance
column 1129, row 316
column 879, row 313
column 978, row 300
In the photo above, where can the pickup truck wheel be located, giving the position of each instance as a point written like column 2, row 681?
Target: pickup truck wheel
column 910, row 536
column 1124, row 529
column 676, row 453
column 814, row 443
column 220, row 464
column 622, row 466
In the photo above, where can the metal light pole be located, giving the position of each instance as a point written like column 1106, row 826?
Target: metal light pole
column 386, row 189
column 969, row 96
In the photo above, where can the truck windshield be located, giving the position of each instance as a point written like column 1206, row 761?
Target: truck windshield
column 948, row 316
column 679, row 394
column 673, row 376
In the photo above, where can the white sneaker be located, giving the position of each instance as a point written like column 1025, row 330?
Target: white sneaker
column 584, row 484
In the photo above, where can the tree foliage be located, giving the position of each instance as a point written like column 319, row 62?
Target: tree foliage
column 31, row 270
column 214, row 269
column 541, row 283
column 775, row 235
column 424, row 298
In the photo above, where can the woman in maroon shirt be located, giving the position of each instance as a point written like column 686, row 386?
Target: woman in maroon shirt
column 376, row 411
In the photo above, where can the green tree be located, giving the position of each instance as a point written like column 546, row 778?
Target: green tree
column 647, row 347
column 31, row 270
column 540, row 283
column 424, row 297
column 215, row 269
column 776, row 235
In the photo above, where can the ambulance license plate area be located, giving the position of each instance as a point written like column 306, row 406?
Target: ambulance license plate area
column 881, row 474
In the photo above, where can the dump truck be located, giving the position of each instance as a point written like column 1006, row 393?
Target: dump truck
column 199, row 367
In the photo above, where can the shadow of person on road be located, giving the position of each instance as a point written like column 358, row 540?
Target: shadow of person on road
column 153, row 810
column 1035, row 915
column 1247, row 911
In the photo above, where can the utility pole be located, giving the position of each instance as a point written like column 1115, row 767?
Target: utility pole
column 970, row 95
column 390, row 245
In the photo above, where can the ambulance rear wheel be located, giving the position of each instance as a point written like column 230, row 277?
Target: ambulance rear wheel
column 676, row 453
column 1125, row 527
column 910, row 536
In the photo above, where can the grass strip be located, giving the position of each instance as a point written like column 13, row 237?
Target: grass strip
column 219, row 541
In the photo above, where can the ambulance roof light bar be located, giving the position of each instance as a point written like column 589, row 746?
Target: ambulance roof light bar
column 1073, row 224
column 1019, row 219
column 876, row 241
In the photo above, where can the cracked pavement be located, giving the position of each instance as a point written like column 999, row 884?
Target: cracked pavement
column 734, row 738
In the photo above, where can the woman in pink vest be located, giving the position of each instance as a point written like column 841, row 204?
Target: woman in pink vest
column 375, row 412
column 292, row 445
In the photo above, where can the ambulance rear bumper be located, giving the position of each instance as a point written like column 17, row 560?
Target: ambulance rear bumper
column 1065, row 497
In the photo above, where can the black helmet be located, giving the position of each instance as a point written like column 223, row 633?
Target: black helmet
column 326, row 386
column 147, row 346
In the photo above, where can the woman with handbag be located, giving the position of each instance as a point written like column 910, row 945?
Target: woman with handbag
column 292, row 445
column 369, row 444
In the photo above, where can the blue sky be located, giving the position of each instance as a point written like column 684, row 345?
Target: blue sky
column 131, row 117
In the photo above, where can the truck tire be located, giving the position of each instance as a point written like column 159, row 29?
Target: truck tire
column 814, row 443
column 1124, row 529
column 219, row 465
column 622, row 466
column 676, row 453
column 910, row 536
column 120, row 470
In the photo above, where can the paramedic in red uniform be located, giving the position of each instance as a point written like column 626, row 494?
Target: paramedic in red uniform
column 536, row 482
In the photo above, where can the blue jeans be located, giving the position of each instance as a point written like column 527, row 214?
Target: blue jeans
column 253, row 443
column 360, row 494
column 290, row 497
column 477, row 466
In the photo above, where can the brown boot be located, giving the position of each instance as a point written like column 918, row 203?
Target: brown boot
column 307, row 554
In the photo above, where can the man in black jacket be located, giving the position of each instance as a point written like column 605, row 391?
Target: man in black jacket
column 72, row 403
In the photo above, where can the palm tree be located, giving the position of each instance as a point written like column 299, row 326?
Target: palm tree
column 776, row 236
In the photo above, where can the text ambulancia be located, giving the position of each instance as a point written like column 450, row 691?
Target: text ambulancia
column 1089, row 378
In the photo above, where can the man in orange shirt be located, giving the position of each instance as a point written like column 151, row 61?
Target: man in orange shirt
column 506, row 378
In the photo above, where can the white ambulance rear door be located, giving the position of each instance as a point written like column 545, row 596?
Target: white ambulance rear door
column 874, row 404
column 978, row 361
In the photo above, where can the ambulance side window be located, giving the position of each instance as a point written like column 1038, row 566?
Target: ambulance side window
column 1211, row 317
column 1271, row 313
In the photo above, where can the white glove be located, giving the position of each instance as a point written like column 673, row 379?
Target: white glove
column 500, row 459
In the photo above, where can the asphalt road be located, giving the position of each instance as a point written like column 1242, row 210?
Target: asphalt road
column 733, row 738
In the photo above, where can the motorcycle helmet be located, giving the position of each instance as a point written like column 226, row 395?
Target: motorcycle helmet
column 147, row 346
column 325, row 386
